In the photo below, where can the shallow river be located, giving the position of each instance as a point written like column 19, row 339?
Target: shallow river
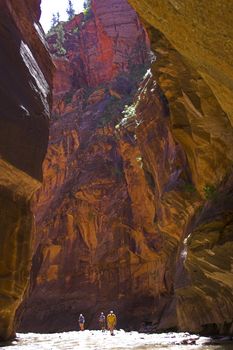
column 96, row 340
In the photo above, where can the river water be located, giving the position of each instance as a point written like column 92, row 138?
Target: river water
column 97, row 340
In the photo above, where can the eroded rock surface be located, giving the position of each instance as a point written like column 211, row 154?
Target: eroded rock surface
column 25, row 69
column 193, row 45
column 135, row 213
column 86, row 248
column 202, row 34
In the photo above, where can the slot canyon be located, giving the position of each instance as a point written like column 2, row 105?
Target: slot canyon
column 116, row 167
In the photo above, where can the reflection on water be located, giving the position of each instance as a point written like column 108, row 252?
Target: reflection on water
column 96, row 340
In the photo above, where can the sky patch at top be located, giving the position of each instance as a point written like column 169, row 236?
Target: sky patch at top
column 48, row 7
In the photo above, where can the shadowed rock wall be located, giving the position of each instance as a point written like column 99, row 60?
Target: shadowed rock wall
column 25, row 70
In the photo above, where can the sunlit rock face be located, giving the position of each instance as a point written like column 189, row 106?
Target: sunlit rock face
column 135, row 214
column 25, row 70
column 193, row 45
column 108, row 39
column 202, row 34
column 90, row 252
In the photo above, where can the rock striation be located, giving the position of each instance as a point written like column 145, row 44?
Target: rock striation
column 193, row 45
column 26, row 74
column 202, row 34
column 86, row 233
column 135, row 213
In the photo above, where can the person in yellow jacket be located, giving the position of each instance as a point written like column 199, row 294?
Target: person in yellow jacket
column 111, row 322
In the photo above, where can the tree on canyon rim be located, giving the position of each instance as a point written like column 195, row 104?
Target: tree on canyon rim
column 55, row 19
column 87, row 4
column 70, row 10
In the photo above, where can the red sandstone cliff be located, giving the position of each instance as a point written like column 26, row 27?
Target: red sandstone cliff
column 26, row 74
column 123, row 190
column 86, row 230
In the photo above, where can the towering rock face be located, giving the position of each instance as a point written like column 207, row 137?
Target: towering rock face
column 88, row 251
column 136, row 212
column 193, row 44
column 113, row 41
column 25, row 69
column 98, row 46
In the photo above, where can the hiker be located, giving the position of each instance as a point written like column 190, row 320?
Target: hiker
column 81, row 321
column 111, row 321
column 102, row 321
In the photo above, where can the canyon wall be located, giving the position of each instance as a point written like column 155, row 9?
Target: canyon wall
column 87, row 254
column 193, row 45
column 25, row 69
column 135, row 213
